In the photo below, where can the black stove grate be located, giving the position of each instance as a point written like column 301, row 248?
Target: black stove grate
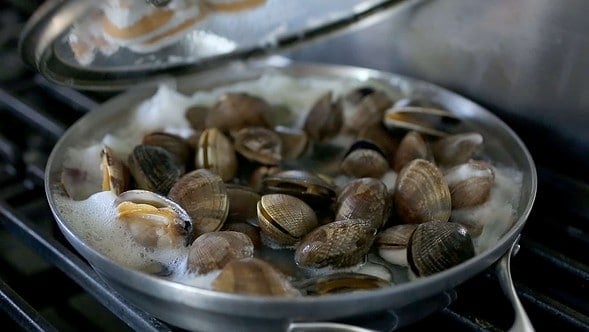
column 45, row 285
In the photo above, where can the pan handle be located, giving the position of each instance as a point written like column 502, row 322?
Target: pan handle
column 503, row 271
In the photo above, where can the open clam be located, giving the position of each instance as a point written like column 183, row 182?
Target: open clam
column 115, row 175
column 302, row 184
column 392, row 243
column 343, row 282
column 259, row 144
column 152, row 219
column 428, row 121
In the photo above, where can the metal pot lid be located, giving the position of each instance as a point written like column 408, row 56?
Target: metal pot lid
column 112, row 44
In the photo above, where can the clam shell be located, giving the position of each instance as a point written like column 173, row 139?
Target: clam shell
column 115, row 175
column 154, row 168
column 421, row 119
column 259, row 144
column 302, row 184
column 203, row 195
column 252, row 276
column 421, row 193
column 365, row 159
column 152, row 219
column 470, row 184
column 456, row 149
column 365, row 198
column 242, row 203
column 251, row 231
column 174, row 144
column 343, row 282
column 392, row 243
column 216, row 153
column 324, row 119
column 338, row 244
column 234, row 111
column 413, row 146
column 212, row 251
column 285, row 219
column 294, row 141
column 436, row 246
column 367, row 110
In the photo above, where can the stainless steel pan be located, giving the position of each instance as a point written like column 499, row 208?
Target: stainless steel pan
column 200, row 309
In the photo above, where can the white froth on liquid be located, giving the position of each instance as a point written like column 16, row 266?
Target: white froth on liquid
column 94, row 219
column 497, row 214
column 464, row 172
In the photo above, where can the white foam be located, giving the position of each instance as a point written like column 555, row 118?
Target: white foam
column 464, row 172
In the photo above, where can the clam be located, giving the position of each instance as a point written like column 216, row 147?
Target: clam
column 154, row 168
column 421, row 193
column 285, row 219
column 364, row 198
column 172, row 143
column 203, row 195
column 456, row 149
column 196, row 116
column 324, row 119
column 380, row 136
column 212, row 251
column 234, row 111
column 302, row 184
column 259, row 144
column 216, row 153
column 343, row 282
column 365, row 159
column 294, row 141
column 251, row 231
column 470, row 184
column 152, row 219
column 242, row 203
column 257, row 176
column 392, row 243
column 436, row 246
column 413, row 146
column 428, row 121
column 367, row 108
column 115, row 175
column 338, row 244
column 252, row 276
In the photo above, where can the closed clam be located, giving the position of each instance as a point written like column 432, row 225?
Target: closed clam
column 216, row 153
column 413, row 146
column 212, row 251
column 302, row 184
column 234, row 111
column 436, row 246
column 457, row 149
column 421, row 193
column 392, row 243
column 364, row 198
column 251, row 231
column 252, row 276
column 470, row 183
column 115, row 175
column 343, row 282
column 154, row 168
column 259, row 144
column 242, row 203
column 174, row 144
column 338, row 244
column 203, row 195
column 196, row 116
column 152, row 219
column 365, row 159
column 285, row 219
column 324, row 119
